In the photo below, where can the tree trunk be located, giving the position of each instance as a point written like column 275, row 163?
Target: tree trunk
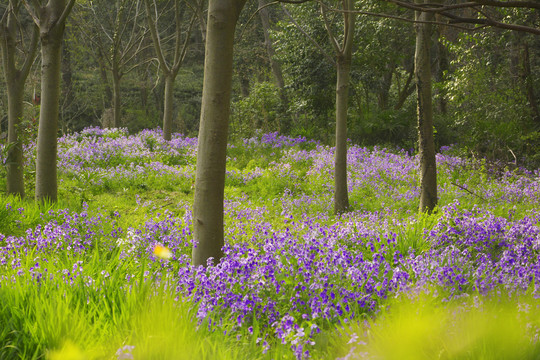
column 213, row 132
column 341, row 196
column 168, row 106
column 51, row 58
column 274, row 64
column 343, row 65
column 15, row 160
column 116, row 103
column 441, row 66
column 107, row 100
column 383, row 95
column 15, row 81
column 244, row 84
column 528, row 82
column 426, row 145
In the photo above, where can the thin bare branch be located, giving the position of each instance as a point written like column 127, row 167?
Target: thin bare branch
column 455, row 19
column 5, row 15
column 294, row 1
column 180, row 60
column 333, row 40
column 31, row 55
column 400, row 18
column 62, row 19
column 467, row 190
column 513, row 4
column 31, row 11
column 155, row 34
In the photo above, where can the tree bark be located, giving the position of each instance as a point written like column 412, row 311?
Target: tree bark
column 170, row 69
column 426, row 145
column 51, row 57
column 15, row 159
column 107, row 99
column 213, row 132
column 441, row 66
column 383, row 94
column 274, row 64
column 341, row 195
column 343, row 64
column 168, row 104
column 116, row 103
column 15, row 81
column 528, row 82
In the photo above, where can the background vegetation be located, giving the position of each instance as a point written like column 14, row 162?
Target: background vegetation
column 485, row 81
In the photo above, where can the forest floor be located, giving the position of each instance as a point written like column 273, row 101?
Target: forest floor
column 83, row 278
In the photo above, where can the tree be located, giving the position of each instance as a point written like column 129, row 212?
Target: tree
column 275, row 65
column 11, row 29
column 116, row 35
column 475, row 12
column 212, row 141
column 170, row 67
column 51, row 20
column 343, row 54
column 426, row 144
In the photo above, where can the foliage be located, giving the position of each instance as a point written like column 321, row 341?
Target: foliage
column 487, row 97
column 257, row 112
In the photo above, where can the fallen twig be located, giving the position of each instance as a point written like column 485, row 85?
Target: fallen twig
column 467, row 190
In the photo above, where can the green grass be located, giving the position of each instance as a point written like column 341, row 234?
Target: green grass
column 55, row 320
column 426, row 326
column 75, row 321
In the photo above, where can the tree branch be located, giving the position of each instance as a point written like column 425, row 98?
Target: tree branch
column 443, row 10
column 30, row 11
column 155, row 34
column 400, row 18
column 65, row 13
column 467, row 190
column 326, row 56
column 29, row 60
column 333, row 39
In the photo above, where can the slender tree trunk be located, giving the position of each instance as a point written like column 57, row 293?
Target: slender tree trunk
column 441, row 66
column 426, row 145
column 51, row 58
column 107, row 100
column 15, row 81
column 116, row 103
column 168, row 105
column 15, row 160
column 384, row 91
column 343, row 66
column 274, row 64
column 244, row 84
column 529, row 88
column 341, row 196
column 213, row 132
